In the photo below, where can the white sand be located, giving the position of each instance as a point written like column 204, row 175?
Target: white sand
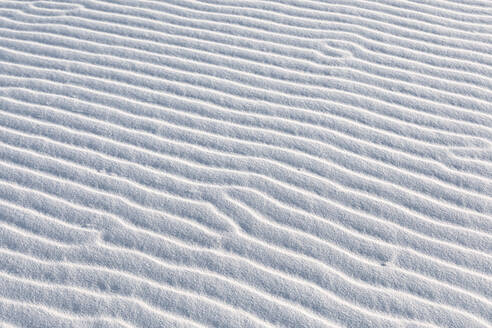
column 246, row 163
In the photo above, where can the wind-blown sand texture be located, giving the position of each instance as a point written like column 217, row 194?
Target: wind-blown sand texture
column 246, row 163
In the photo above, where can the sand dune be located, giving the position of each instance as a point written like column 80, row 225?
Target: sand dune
column 287, row 163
